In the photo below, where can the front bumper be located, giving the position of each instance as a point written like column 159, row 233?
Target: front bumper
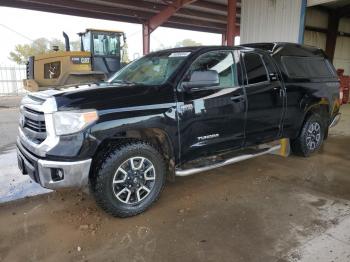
column 53, row 174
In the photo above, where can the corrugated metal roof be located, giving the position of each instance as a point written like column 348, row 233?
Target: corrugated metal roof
column 201, row 15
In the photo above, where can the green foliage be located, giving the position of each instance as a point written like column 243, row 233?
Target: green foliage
column 182, row 43
column 75, row 45
column 21, row 53
column 187, row 42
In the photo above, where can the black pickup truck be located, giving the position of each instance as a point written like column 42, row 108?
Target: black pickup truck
column 168, row 113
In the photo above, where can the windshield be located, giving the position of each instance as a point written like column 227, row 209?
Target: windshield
column 106, row 44
column 150, row 70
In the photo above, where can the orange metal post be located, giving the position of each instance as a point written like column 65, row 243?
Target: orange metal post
column 158, row 20
column 146, row 34
column 231, row 21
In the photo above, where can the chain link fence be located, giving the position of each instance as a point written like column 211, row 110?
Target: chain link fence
column 11, row 77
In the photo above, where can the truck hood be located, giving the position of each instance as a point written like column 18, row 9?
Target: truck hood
column 104, row 96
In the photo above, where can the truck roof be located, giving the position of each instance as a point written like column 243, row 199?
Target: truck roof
column 199, row 48
column 287, row 49
column 273, row 48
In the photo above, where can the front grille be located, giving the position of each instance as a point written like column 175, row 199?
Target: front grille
column 33, row 124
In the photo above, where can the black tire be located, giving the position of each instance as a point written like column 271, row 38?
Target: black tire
column 307, row 143
column 107, row 194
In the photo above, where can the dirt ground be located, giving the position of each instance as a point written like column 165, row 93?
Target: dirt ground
column 266, row 209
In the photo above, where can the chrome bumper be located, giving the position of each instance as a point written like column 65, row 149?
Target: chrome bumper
column 53, row 174
column 75, row 174
column 31, row 156
column 335, row 120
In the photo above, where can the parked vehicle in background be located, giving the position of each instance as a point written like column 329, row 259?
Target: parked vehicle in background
column 168, row 113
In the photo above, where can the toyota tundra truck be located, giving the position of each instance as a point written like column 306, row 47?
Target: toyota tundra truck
column 173, row 113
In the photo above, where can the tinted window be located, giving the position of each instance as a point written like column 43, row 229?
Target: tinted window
column 256, row 71
column 220, row 61
column 306, row 67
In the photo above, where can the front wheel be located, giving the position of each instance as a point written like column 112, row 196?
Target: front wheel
column 310, row 138
column 129, row 180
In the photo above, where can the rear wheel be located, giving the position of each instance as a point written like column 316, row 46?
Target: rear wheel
column 129, row 180
column 310, row 138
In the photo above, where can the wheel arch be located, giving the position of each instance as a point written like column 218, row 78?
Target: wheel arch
column 157, row 137
column 319, row 106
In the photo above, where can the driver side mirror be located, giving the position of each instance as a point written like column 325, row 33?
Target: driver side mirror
column 198, row 79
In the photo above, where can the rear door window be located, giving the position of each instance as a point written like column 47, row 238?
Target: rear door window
column 255, row 68
column 307, row 67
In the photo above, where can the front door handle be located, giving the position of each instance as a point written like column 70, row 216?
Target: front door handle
column 238, row 98
column 279, row 89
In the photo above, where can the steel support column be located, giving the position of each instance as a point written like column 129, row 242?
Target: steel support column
column 146, row 35
column 332, row 33
column 154, row 22
column 231, row 21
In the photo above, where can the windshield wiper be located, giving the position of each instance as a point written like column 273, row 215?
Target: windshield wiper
column 124, row 82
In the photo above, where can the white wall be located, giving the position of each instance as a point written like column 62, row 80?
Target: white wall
column 342, row 48
column 316, row 18
column 319, row 19
column 315, row 39
column 270, row 20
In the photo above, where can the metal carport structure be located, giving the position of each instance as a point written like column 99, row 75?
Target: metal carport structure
column 214, row 16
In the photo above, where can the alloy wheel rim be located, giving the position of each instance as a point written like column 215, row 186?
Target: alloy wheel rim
column 134, row 180
column 313, row 137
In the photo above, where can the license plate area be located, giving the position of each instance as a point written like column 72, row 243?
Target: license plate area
column 21, row 165
column 26, row 167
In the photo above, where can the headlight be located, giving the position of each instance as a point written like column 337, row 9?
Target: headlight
column 69, row 122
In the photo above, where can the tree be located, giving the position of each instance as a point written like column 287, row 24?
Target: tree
column 58, row 43
column 182, row 43
column 42, row 45
column 187, row 42
column 75, row 45
column 22, row 52
column 162, row 47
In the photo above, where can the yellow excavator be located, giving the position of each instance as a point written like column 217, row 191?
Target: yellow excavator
column 101, row 54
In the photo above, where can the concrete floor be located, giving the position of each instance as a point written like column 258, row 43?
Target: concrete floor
column 266, row 209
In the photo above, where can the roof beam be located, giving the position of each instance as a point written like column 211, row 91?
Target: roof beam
column 319, row 2
column 53, row 5
column 333, row 25
column 344, row 11
column 158, row 6
column 68, row 11
column 215, row 6
column 166, row 13
column 109, row 13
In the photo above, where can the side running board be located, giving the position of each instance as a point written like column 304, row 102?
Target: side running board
column 187, row 172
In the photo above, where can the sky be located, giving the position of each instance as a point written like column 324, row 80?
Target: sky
column 19, row 26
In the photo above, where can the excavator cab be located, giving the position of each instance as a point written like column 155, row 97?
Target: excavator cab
column 105, row 48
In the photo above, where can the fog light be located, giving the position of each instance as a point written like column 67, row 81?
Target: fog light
column 57, row 174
